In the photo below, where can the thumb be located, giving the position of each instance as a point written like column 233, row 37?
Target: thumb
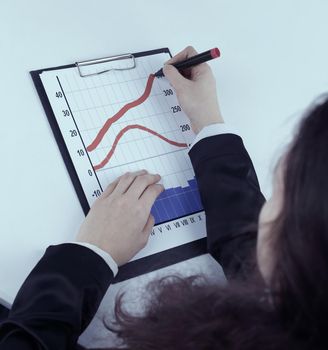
column 149, row 226
column 176, row 79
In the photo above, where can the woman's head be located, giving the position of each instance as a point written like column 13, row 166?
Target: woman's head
column 292, row 256
column 293, row 225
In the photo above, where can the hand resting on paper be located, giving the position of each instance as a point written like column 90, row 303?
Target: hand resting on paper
column 120, row 222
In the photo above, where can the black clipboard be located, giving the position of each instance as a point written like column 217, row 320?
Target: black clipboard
column 142, row 265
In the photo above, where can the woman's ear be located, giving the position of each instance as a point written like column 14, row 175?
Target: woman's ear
column 267, row 218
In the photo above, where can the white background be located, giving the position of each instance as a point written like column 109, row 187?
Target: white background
column 274, row 62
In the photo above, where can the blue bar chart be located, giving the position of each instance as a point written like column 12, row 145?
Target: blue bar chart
column 177, row 202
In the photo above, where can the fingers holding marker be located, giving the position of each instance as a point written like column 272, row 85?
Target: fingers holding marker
column 176, row 79
column 189, row 51
column 180, row 78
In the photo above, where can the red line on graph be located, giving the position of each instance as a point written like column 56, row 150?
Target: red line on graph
column 123, row 131
column 121, row 112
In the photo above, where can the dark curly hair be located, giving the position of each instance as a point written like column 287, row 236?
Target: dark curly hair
column 190, row 313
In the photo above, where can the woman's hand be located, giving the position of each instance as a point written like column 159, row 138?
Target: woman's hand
column 119, row 222
column 196, row 91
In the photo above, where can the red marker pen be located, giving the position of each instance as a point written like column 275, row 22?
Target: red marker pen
column 193, row 61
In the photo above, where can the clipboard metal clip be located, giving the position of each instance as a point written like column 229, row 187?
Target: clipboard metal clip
column 129, row 56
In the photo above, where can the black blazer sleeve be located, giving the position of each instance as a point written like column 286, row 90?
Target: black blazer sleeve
column 232, row 201
column 57, row 300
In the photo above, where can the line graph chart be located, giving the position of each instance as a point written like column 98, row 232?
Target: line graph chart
column 121, row 113
column 131, row 127
column 126, row 121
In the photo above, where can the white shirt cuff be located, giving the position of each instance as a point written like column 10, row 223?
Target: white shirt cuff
column 108, row 259
column 212, row 130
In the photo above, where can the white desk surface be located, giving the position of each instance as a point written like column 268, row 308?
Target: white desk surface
column 274, row 62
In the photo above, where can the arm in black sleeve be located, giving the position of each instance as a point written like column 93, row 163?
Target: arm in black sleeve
column 232, row 200
column 57, row 300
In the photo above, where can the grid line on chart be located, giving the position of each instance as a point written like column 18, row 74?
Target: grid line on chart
column 140, row 139
column 104, row 85
column 109, row 104
column 144, row 159
column 130, row 120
